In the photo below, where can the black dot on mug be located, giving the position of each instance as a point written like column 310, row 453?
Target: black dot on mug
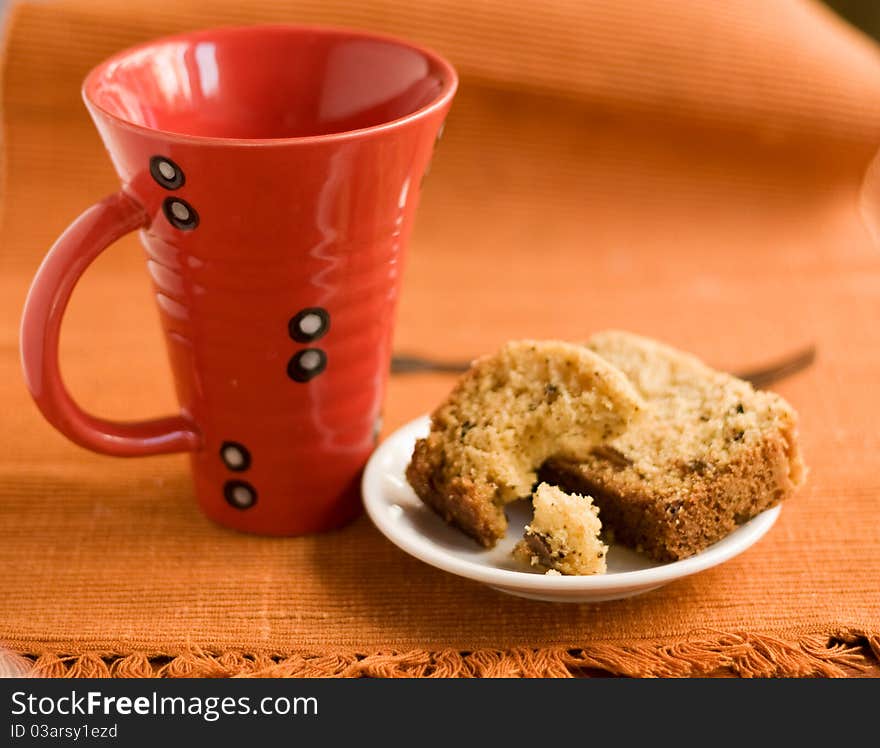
column 309, row 324
column 180, row 213
column 239, row 494
column 307, row 364
column 168, row 174
column 235, row 456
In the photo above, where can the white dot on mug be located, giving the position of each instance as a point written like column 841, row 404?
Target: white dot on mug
column 233, row 457
column 311, row 323
column 166, row 173
column 306, row 365
column 167, row 170
column 239, row 494
column 180, row 211
column 310, row 360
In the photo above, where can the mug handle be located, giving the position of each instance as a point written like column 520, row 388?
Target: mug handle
column 89, row 235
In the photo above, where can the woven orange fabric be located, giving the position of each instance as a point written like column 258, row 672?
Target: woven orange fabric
column 685, row 170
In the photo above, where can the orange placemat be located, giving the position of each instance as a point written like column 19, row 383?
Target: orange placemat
column 685, row 170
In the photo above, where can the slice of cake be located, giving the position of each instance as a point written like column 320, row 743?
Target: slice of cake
column 708, row 453
column 505, row 417
column 563, row 536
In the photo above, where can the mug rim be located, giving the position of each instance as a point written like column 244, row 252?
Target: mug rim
column 447, row 90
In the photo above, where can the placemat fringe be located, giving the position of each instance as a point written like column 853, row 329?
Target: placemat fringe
column 740, row 654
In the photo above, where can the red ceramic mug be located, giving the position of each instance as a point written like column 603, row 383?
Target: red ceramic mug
column 273, row 173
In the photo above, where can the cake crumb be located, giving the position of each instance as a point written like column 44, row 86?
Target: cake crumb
column 563, row 536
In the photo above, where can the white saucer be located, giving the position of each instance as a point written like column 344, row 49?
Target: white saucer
column 409, row 524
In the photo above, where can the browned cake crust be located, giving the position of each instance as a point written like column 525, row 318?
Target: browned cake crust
column 465, row 502
column 668, row 526
column 710, row 454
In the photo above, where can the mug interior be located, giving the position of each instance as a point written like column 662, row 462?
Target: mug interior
column 268, row 82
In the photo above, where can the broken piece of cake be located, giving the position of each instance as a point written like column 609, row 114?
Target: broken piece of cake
column 709, row 453
column 506, row 416
column 563, row 536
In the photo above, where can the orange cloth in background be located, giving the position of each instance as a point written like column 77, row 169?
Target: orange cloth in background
column 685, row 170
